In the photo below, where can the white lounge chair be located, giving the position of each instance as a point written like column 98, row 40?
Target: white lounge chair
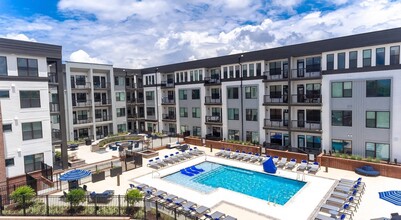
column 220, row 153
column 275, row 159
column 291, row 164
column 314, row 167
column 255, row 158
column 247, row 157
column 282, row 162
column 153, row 164
column 303, row 165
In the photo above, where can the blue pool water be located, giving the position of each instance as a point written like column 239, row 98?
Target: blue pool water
column 263, row 186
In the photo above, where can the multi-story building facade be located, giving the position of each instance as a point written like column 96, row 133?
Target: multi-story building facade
column 31, row 88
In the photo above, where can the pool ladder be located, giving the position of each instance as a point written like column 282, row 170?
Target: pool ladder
column 153, row 172
column 301, row 176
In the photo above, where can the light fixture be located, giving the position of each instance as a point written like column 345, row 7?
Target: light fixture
column 16, row 120
column 13, row 87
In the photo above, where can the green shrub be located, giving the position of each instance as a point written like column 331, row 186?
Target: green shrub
column 76, row 196
column 358, row 157
column 376, row 160
column 369, row 159
column 23, row 195
column 343, row 156
column 352, row 157
column 337, row 154
column 133, row 196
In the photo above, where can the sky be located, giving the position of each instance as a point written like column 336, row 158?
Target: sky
column 150, row 33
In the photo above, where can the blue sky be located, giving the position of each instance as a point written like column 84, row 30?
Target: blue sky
column 144, row 33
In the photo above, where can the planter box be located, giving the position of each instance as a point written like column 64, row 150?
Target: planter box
column 116, row 171
column 96, row 177
column 232, row 146
column 95, row 147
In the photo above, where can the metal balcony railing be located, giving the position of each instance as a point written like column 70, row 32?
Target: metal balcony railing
column 212, row 80
column 52, row 78
column 168, row 101
column 170, row 116
column 314, row 72
column 279, row 99
column 78, row 121
column 275, row 75
column 213, row 119
column 86, row 85
column 210, row 100
column 101, row 85
column 102, row 102
column 167, row 84
column 306, row 125
column 306, row 99
column 104, row 118
column 82, row 103
column 273, row 123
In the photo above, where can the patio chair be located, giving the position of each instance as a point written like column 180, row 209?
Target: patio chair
column 336, row 210
column 347, row 189
column 291, row 164
column 247, row 157
column 215, row 216
column 154, row 165
column 229, row 217
column 263, row 159
column 199, row 211
column 199, row 152
column 141, row 186
column 359, row 185
column 314, row 167
column 282, row 162
column 275, row 159
column 104, row 197
column 325, row 217
column 255, row 158
column 220, row 152
column 227, row 153
column 180, row 156
column 174, row 158
column 241, row 155
column 303, row 165
column 167, row 198
column 185, row 208
column 351, row 181
column 131, row 186
column 175, row 203
column 168, row 160
column 160, row 162
column 235, row 155
column 186, row 154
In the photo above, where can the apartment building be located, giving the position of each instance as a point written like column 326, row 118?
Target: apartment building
column 96, row 105
column 32, row 101
column 336, row 95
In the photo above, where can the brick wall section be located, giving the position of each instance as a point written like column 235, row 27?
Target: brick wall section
column 2, row 154
column 388, row 170
column 287, row 154
column 193, row 141
column 233, row 147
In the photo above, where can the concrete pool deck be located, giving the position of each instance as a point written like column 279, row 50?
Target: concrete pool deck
column 371, row 206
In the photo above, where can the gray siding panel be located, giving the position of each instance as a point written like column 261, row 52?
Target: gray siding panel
column 30, row 48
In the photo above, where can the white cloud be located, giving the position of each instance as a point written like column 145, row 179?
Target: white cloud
column 82, row 56
column 15, row 36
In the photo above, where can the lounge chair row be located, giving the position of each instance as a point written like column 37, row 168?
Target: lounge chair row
column 181, row 205
column 241, row 156
column 158, row 163
column 343, row 201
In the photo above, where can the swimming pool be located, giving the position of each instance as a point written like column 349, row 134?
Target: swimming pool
column 263, row 186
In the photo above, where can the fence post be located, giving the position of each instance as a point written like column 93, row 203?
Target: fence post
column 157, row 211
column 23, row 204
column 119, row 205
column 144, row 209
column 175, row 213
column 47, row 205
column 95, row 205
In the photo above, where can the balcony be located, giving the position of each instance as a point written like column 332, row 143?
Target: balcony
column 275, row 99
column 166, row 84
column 306, row 73
column 53, row 79
column 167, row 101
column 81, row 103
column 275, row 124
column 141, row 116
column 102, row 102
column 98, row 86
column 213, row 119
column 169, row 117
column 302, row 99
column 211, row 100
column 83, row 85
column 210, row 81
column 139, row 101
column 303, row 125
column 54, row 107
column 104, row 118
column 79, row 121
column 132, row 116
column 275, row 75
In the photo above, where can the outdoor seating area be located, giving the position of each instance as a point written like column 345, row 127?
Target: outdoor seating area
column 178, row 157
column 180, row 206
column 344, row 200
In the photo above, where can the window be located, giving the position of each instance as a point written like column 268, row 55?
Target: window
column 150, row 111
column 275, row 92
column 98, row 113
column 341, row 118
column 4, row 94
column 275, row 68
column 83, row 133
column 82, row 115
column 150, row 95
column 341, row 61
column 200, row 75
column 244, row 70
column 330, row 62
column 80, row 80
column 225, row 72
column 182, row 94
column 120, row 96
column 121, row 128
column 33, row 162
column 380, row 56
column 252, row 136
column 233, row 135
column 31, row 130
column 196, row 131
column 367, row 58
column 10, row 162
column 237, row 71
column 3, row 66
column 120, row 112
column 276, row 138
column 97, row 96
column 81, row 97
column 353, row 59
column 313, row 142
column 341, row 146
column 251, row 114
column 251, row 92
column 232, row 93
column 195, row 94
column 215, row 93
column 29, row 99
column 27, row 67
column 341, row 89
column 275, row 115
column 313, row 64
column 183, row 112
column 377, row 119
column 313, row 116
column 7, row 127
column 196, row 113
column 378, row 88
column 378, row 150
column 258, row 69
column 233, row 113
column 394, row 55
column 312, row 91
column 119, row 81
column 251, row 69
column 191, row 75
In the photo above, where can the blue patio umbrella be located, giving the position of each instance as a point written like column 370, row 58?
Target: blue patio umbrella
column 75, row 175
column 392, row 196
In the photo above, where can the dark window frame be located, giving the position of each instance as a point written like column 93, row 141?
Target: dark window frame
column 353, row 61
column 31, row 134
column 195, row 94
column 344, row 91
column 30, row 98
column 345, row 122
column 3, row 66
column 380, row 56
column 394, row 57
column 372, row 123
column 29, row 67
column 376, row 88
column 330, row 61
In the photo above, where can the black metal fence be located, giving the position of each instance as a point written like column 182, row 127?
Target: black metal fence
column 116, row 205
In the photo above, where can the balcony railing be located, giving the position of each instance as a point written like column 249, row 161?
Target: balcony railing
column 102, row 102
column 86, row 85
column 306, row 99
column 306, row 73
column 54, row 107
column 56, row 135
column 278, row 99
column 306, row 125
column 104, row 118
column 132, row 116
column 53, row 78
column 271, row 123
column 210, row 100
column 212, row 81
column 167, row 101
column 80, row 103
column 139, row 100
column 165, row 84
column 213, row 119
column 77, row 121
column 141, row 115
column 169, row 117
column 214, row 137
column 101, row 85
column 276, row 75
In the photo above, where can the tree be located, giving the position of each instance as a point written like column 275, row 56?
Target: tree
column 133, row 196
column 76, row 196
column 23, row 195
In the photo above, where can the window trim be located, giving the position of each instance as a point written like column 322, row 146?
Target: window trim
column 342, row 118
column 375, row 119
column 342, row 90
column 6, row 66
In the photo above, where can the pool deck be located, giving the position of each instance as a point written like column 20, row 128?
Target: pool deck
column 242, row 206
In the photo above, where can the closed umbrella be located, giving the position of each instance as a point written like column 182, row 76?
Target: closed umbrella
column 392, row 196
